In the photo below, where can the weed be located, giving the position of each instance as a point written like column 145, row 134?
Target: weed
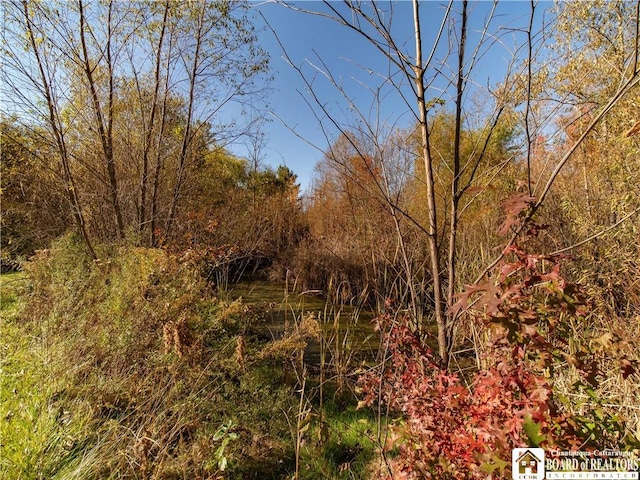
column 341, row 444
column 125, row 368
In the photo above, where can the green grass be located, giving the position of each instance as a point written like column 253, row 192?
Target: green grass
column 342, row 446
column 36, row 433
column 12, row 292
column 90, row 389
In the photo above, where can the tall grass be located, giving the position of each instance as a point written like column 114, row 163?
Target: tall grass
column 126, row 368
column 133, row 367
column 36, row 435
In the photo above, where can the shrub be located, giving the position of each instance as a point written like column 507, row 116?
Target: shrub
column 142, row 362
column 450, row 430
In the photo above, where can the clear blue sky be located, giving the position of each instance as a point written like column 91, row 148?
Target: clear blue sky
column 352, row 60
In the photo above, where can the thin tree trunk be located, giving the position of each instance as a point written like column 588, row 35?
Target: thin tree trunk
column 105, row 129
column 155, row 196
column 186, row 140
column 455, row 182
column 156, row 176
column 53, row 119
column 142, row 219
column 434, row 250
column 527, row 110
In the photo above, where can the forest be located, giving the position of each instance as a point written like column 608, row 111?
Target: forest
column 453, row 283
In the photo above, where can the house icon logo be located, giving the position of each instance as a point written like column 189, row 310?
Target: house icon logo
column 527, row 463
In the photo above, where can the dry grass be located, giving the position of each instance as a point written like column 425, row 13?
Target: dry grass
column 140, row 363
column 615, row 401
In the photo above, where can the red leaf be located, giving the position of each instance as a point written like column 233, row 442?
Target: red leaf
column 627, row 367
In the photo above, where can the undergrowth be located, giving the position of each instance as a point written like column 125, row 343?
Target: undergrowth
column 346, row 444
column 539, row 384
column 33, row 432
column 129, row 367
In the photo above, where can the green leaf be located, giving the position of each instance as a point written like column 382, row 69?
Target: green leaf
column 494, row 464
column 220, row 452
column 532, row 429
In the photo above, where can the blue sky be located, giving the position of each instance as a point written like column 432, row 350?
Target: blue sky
column 314, row 41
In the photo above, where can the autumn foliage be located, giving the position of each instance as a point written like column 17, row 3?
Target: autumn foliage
column 449, row 430
column 458, row 428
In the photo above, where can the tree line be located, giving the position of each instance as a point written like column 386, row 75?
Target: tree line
column 121, row 103
column 545, row 138
column 116, row 131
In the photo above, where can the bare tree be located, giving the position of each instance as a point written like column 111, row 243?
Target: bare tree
column 467, row 176
column 43, row 82
column 186, row 139
column 104, row 120
column 126, row 83
column 150, row 121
